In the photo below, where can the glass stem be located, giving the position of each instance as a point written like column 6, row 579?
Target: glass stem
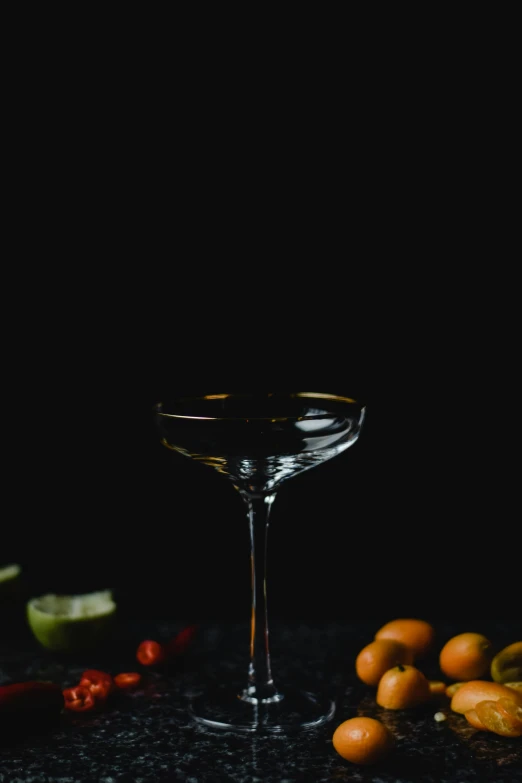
column 261, row 686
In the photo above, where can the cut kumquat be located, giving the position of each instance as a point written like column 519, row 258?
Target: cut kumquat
column 471, row 693
column 474, row 720
column 506, row 666
column 499, row 719
column 512, row 709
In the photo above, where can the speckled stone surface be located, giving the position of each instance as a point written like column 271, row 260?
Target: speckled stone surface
column 147, row 736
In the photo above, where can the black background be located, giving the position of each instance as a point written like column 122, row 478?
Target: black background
column 418, row 518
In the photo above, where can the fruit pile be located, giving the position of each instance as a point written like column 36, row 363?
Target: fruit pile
column 487, row 687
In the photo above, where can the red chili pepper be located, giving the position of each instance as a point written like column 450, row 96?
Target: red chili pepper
column 79, row 699
column 181, row 643
column 99, row 683
column 127, row 680
column 30, row 696
column 150, row 653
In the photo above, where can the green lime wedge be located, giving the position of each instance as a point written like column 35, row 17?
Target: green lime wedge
column 71, row 623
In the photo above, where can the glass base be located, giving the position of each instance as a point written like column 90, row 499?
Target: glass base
column 293, row 711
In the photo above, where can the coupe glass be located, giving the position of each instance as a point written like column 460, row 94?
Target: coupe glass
column 258, row 441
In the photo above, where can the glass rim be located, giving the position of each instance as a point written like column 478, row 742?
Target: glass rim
column 223, row 396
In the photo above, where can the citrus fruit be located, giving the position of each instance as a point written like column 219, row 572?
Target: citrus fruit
column 363, row 740
column 506, row 666
column 468, row 695
column 9, row 580
column 437, row 688
column 466, row 656
column 403, row 687
column 452, row 689
column 517, row 686
column 474, row 720
column 9, row 572
column 512, row 709
column 377, row 657
column 418, row 635
column 500, row 717
column 67, row 623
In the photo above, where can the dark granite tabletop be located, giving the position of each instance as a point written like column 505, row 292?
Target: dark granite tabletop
column 147, row 736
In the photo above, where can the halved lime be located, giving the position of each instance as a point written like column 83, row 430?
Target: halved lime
column 10, row 581
column 70, row 623
column 10, row 572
